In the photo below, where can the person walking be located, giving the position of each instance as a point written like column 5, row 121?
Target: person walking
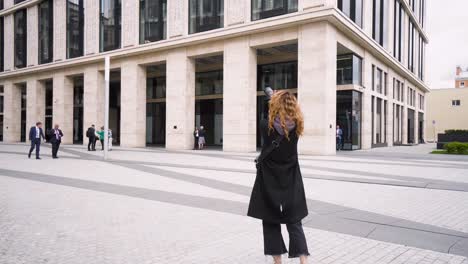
column 55, row 136
column 100, row 134
column 196, row 137
column 201, row 138
column 35, row 136
column 91, row 134
column 278, row 195
column 339, row 138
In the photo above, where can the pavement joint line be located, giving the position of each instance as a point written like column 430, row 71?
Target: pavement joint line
column 403, row 183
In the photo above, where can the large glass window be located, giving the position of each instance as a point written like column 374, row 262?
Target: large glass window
column 278, row 76
column 20, row 38
column 152, row 20
column 398, row 30
column 110, row 25
column 269, row 8
column 352, row 9
column 349, row 70
column 208, row 83
column 205, row 15
column 378, row 21
column 75, row 28
column 46, row 31
column 2, row 47
column 411, row 46
column 348, row 117
column 421, row 60
column 19, row 1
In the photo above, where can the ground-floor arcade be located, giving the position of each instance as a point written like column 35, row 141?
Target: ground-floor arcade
column 158, row 98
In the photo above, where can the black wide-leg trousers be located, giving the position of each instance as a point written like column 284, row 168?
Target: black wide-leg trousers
column 274, row 243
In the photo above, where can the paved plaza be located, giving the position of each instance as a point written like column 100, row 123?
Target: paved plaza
column 389, row 205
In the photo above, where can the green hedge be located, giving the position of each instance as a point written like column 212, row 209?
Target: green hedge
column 456, row 148
column 463, row 132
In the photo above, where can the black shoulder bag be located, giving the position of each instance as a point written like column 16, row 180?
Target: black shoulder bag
column 267, row 152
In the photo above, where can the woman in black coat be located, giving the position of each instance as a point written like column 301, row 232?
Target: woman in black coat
column 278, row 195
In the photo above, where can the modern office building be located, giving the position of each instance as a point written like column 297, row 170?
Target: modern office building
column 177, row 64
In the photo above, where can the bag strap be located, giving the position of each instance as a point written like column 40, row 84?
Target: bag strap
column 267, row 152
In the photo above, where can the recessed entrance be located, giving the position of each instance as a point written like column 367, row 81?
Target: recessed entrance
column 156, row 105
column 209, row 98
column 277, row 69
column 78, row 91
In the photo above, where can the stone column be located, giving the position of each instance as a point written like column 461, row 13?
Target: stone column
column 177, row 18
column 63, row 106
column 35, row 103
column 180, row 100
column 130, row 23
column 93, row 99
column 366, row 111
column 8, row 4
column 317, row 87
column 32, row 35
column 60, row 30
column 367, row 16
column 239, row 98
column 9, row 43
column 91, row 30
column 235, row 12
column 133, row 105
column 12, row 113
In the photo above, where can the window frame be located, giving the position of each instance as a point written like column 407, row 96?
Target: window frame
column 48, row 30
column 24, row 41
column 81, row 24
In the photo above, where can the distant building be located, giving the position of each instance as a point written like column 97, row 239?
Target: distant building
column 446, row 109
column 461, row 79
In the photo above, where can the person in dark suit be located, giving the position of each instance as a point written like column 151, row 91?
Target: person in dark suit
column 278, row 195
column 35, row 135
column 55, row 138
column 91, row 134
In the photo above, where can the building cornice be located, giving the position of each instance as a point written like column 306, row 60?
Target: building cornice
column 19, row 6
column 322, row 13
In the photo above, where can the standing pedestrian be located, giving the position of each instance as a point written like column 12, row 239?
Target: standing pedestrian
column 55, row 136
column 201, row 137
column 91, row 134
column 278, row 195
column 35, row 136
column 110, row 139
column 100, row 134
column 196, row 137
column 339, row 138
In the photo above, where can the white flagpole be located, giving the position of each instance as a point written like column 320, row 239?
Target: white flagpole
column 106, row 105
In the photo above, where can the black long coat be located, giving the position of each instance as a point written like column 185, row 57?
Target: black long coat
column 278, row 194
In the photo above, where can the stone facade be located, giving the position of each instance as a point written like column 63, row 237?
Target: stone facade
column 318, row 28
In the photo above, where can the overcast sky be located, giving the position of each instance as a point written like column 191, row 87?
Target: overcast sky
column 448, row 41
